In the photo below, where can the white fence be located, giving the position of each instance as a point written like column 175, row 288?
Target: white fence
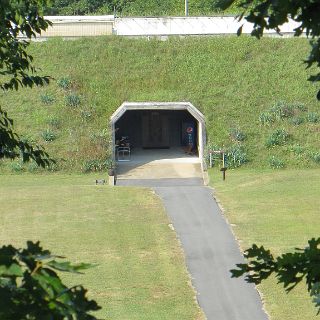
column 83, row 26
column 79, row 26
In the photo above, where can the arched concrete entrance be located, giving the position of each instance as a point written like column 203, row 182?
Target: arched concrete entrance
column 154, row 126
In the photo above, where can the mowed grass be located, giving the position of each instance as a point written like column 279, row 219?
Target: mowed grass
column 277, row 209
column 140, row 272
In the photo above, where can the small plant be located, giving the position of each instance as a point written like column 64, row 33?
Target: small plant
column 54, row 122
column 96, row 165
column 313, row 117
column 301, row 107
column 278, row 138
column 297, row 149
column 73, row 100
column 266, row 118
column 47, row 98
column 276, row 163
column 86, row 115
column 237, row 135
column 64, row 83
column 297, row 121
column 236, row 156
column 33, row 167
column 48, row 135
column 16, row 167
column 316, row 157
column 282, row 110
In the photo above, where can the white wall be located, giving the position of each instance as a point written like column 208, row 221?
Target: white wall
column 144, row 26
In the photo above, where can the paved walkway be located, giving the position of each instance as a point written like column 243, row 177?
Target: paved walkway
column 210, row 249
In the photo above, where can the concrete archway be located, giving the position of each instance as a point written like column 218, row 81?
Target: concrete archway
column 129, row 114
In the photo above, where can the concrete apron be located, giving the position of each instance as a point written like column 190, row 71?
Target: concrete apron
column 159, row 164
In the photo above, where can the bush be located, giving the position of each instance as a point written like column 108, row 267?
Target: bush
column 236, row 156
column 33, row 167
column 266, row 118
column 237, row 135
column 297, row 121
column 313, row 117
column 54, row 122
column 316, row 157
column 30, row 287
column 64, row 83
column 282, row 110
column 297, row 149
column 86, row 115
column 73, row 100
column 97, row 165
column 276, row 163
column 48, row 135
column 300, row 107
column 46, row 98
column 16, row 167
column 277, row 138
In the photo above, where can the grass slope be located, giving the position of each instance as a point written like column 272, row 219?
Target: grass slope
column 279, row 210
column 231, row 80
column 140, row 272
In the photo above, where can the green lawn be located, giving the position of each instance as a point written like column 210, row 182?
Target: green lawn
column 277, row 209
column 141, row 271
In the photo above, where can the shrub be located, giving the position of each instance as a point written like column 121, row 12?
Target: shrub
column 300, row 107
column 64, row 83
column 31, row 288
column 266, row 118
column 54, row 122
column 316, row 157
column 86, row 115
column 32, row 167
column 297, row 149
column 282, row 110
column 277, row 138
column 237, row 135
column 46, row 98
column 16, row 167
column 297, row 121
column 48, row 135
column 313, row 117
column 96, row 165
column 276, row 163
column 236, row 156
column 73, row 100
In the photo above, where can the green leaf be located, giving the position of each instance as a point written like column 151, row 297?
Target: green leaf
column 68, row 267
column 13, row 270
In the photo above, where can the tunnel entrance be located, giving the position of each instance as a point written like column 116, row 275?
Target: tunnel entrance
column 149, row 127
column 158, row 129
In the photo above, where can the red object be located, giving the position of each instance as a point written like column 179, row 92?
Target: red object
column 189, row 129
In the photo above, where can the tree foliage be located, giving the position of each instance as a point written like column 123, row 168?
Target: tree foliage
column 30, row 287
column 289, row 268
column 129, row 7
column 271, row 14
column 12, row 146
column 18, row 17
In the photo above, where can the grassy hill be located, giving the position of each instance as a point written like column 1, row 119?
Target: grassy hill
column 233, row 81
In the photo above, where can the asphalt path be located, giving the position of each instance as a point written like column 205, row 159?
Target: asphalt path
column 210, row 249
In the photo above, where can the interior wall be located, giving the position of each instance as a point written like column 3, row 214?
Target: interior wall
column 131, row 125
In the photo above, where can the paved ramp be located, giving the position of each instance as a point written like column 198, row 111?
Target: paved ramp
column 210, row 248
